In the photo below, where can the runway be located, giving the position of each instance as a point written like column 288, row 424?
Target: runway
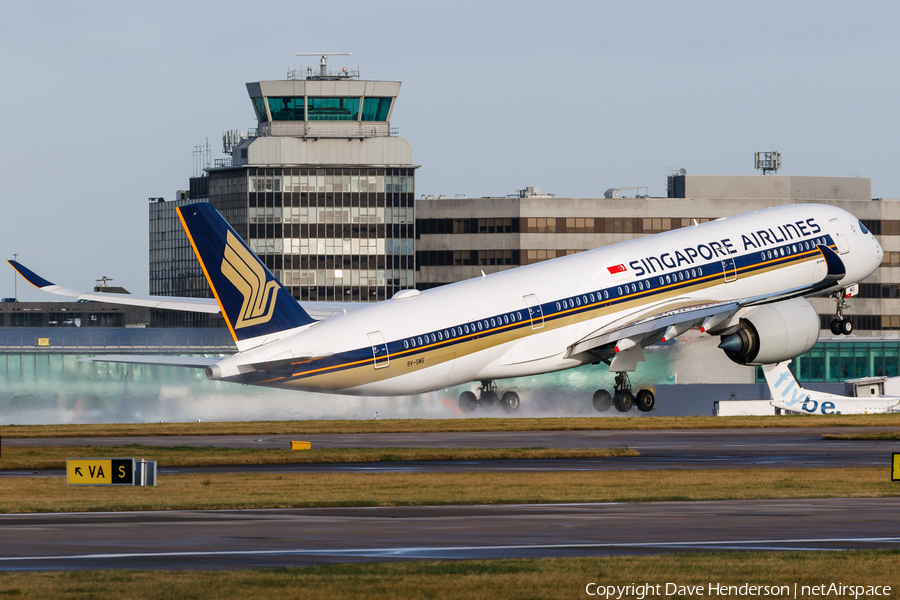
column 293, row 537
column 659, row 449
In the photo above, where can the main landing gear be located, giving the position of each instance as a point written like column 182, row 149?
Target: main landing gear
column 623, row 398
column 489, row 400
column 841, row 325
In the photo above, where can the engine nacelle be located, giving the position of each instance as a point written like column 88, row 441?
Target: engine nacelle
column 772, row 333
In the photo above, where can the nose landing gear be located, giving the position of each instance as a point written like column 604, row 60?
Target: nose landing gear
column 489, row 400
column 841, row 325
column 622, row 397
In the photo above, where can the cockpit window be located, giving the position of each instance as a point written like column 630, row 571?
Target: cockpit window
column 863, row 228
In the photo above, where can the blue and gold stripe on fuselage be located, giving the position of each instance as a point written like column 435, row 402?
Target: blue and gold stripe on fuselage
column 355, row 368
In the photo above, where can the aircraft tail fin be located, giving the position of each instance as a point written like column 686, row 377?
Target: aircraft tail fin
column 787, row 393
column 783, row 386
column 253, row 302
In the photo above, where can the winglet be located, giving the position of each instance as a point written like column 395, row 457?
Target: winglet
column 29, row 275
column 253, row 302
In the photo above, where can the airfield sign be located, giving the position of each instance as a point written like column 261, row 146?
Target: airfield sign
column 100, row 471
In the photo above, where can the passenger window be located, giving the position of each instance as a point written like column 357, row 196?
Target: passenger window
column 668, row 279
column 661, row 281
column 592, row 297
column 433, row 338
column 406, row 344
column 518, row 315
column 699, row 270
column 446, row 334
column 557, row 306
column 479, row 326
column 584, row 299
column 453, row 332
column 565, row 304
column 693, row 273
column 506, row 319
column 793, row 249
column 493, row 322
column 467, row 329
column 619, row 291
column 440, row 337
column 577, row 301
column 633, row 288
column 762, row 255
column 605, row 295
column 680, row 276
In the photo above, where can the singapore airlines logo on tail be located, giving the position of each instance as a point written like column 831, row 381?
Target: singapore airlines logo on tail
column 248, row 276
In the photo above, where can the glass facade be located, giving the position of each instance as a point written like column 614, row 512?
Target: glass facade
column 259, row 105
column 327, row 234
column 287, row 109
column 833, row 362
column 333, row 109
column 376, row 109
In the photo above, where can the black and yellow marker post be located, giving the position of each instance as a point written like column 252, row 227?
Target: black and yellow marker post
column 100, row 471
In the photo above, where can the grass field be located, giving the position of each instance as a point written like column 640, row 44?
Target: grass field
column 444, row 425
column 549, row 578
column 875, row 436
column 54, row 457
column 289, row 490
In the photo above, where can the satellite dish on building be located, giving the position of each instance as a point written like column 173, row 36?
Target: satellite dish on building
column 682, row 171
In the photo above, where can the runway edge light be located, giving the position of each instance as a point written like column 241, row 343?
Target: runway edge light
column 895, row 467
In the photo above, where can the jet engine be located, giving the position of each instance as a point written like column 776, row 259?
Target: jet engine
column 772, row 333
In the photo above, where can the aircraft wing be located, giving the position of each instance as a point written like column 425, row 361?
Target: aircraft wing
column 316, row 310
column 195, row 362
column 204, row 305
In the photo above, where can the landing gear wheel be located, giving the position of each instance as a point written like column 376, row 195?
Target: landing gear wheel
column 489, row 401
column 835, row 327
column 467, row 402
column 510, row 402
column 845, row 327
column 601, row 401
column 645, row 400
column 623, row 400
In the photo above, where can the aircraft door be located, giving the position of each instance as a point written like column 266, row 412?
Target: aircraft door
column 840, row 236
column 534, row 311
column 729, row 269
column 379, row 350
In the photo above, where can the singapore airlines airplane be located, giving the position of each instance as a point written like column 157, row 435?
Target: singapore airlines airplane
column 788, row 395
column 743, row 278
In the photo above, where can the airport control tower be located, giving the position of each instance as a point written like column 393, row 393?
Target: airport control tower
column 322, row 190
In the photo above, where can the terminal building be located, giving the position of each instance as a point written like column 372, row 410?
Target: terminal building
column 322, row 190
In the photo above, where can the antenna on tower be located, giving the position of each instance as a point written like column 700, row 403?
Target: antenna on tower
column 323, row 61
column 767, row 161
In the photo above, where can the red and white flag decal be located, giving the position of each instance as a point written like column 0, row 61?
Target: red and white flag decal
column 619, row 272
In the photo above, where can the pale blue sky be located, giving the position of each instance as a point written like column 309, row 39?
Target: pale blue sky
column 102, row 102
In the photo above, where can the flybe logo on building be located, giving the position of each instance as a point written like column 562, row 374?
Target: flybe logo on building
column 247, row 275
column 791, row 396
column 751, row 240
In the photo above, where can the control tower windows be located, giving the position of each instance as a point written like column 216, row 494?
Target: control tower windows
column 260, row 105
column 287, row 109
column 376, row 109
column 333, row 109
